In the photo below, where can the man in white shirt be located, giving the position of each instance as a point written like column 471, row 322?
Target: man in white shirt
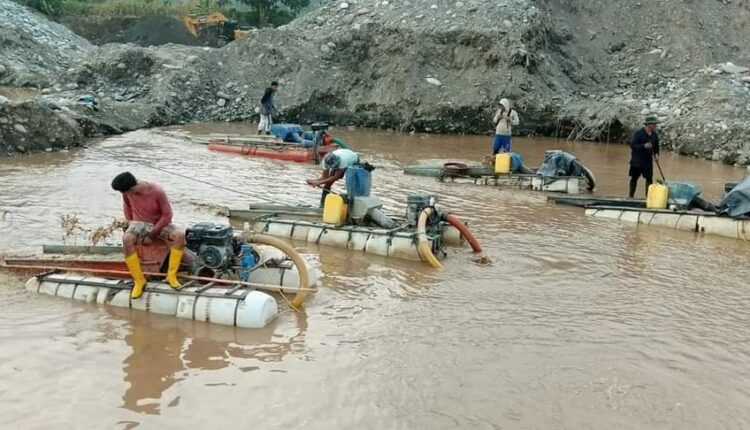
column 334, row 164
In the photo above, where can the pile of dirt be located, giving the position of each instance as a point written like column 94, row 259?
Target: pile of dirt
column 32, row 126
column 571, row 70
column 153, row 31
column 33, row 50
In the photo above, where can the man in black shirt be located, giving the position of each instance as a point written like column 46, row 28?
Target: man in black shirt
column 267, row 106
column 644, row 149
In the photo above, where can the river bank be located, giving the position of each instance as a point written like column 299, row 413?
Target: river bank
column 427, row 66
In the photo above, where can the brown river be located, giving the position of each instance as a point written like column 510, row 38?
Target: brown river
column 578, row 323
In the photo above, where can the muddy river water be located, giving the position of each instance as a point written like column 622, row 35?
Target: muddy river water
column 578, row 323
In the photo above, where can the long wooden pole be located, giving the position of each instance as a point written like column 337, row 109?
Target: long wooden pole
column 267, row 287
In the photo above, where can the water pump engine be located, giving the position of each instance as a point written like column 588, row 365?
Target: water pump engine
column 213, row 244
column 416, row 203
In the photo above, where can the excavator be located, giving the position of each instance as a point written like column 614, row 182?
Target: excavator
column 214, row 26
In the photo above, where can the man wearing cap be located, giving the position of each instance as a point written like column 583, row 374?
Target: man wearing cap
column 505, row 118
column 644, row 149
column 334, row 164
column 149, row 217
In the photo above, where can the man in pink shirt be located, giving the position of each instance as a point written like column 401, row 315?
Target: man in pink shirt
column 149, row 218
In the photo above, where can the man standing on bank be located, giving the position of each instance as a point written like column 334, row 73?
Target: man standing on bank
column 149, row 216
column 505, row 118
column 267, row 106
column 644, row 150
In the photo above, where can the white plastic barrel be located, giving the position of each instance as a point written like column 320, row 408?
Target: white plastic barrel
column 358, row 241
column 162, row 301
column 313, row 233
column 378, row 243
column 255, row 310
column 724, row 226
column 451, row 236
column 338, row 238
column 572, row 186
column 404, row 247
column 301, row 231
column 120, row 299
column 261, row 226
column 373, row 241
column 283, row 276
column 279, row 229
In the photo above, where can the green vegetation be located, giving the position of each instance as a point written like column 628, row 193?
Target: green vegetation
column 274, row 12
column 57, row 8
column 259, row 13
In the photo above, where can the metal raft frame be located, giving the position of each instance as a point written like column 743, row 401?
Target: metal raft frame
column 694, row 221
column 128, row 285
column 435, row 243
column 567, row 184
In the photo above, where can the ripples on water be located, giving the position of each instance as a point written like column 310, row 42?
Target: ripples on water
column 578, row 323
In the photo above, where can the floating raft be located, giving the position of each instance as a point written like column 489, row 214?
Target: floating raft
column 261, row 146
column 222, row 301
column 238, row 139
column 589, row 201
column 696, row 221
column 285, row 153
column 241, row 307
column 282, row 274
column 481, row 175
column 302, row 223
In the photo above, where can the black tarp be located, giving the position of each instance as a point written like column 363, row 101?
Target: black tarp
column 737, row 202
column 559, row 163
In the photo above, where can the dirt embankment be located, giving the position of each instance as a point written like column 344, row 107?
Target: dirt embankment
column 33, row 50
column 141, row 31
column 571, row 68
column 33, row 53
column 33, row 127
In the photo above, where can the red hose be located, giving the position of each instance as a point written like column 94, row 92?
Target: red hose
column 455, row 222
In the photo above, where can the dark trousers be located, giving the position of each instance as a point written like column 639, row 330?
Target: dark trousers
column 325, row 193
column 636, row 172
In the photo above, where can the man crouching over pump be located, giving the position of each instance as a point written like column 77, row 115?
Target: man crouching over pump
column 334, row 164
column 149, row 217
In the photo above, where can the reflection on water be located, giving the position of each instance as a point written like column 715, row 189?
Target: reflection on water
column 164, row 350
column 577, row 322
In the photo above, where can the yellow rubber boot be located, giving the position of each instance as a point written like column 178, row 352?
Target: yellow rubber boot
column 139, row 280
column 175, row 258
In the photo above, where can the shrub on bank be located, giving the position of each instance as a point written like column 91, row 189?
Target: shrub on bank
column 136, row 8
column 259, row 13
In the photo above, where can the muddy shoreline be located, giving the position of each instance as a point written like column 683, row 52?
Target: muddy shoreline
column 375, row 64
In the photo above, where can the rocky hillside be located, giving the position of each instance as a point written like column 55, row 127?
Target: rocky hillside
column 34, row 51
column 33, row 127
column 572, row 68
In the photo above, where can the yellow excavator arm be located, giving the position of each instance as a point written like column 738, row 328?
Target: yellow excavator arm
column 193, row 22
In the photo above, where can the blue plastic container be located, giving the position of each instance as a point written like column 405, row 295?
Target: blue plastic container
column 248, row 261
column 515, row 161
column 358, row 182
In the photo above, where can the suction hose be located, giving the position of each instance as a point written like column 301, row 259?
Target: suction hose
column 304, row 276
column 423, row 245
column 455, row 222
